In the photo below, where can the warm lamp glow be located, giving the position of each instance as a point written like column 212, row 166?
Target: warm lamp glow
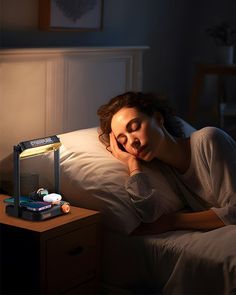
column 28, row 149
column 38, row 146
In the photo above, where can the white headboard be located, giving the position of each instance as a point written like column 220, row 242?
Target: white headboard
column 52, row 91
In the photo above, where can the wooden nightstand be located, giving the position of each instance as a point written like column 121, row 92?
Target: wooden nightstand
column 60, row 255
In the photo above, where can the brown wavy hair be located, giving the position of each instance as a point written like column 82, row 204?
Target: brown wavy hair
column 147, row 103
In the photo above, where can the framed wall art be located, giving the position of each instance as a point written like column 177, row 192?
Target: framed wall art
column 70, row 14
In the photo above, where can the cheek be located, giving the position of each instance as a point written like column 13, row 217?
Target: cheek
column 154, row 136
column 149, row 134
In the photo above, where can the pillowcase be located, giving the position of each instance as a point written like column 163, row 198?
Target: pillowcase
column 92, row 178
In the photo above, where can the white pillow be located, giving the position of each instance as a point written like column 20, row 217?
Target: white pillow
column 92, row 178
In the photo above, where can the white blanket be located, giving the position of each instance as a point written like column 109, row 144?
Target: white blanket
column 178, row 262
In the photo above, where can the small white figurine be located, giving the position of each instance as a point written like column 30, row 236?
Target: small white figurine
column 52, row 198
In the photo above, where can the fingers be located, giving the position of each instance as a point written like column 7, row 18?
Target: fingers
column 117, row 152
column 113, row 144
column 115, row 149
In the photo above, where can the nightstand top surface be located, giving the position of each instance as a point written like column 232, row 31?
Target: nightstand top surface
column 75, row 214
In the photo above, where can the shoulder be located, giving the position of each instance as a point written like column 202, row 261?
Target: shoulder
column 210, row 133
column 211, row 137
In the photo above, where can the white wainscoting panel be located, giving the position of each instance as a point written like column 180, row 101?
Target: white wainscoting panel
column 55, row 90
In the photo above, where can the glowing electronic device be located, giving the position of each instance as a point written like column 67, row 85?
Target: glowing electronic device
column 28, row 149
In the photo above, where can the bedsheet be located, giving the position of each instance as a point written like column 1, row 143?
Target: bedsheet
column 177, row 262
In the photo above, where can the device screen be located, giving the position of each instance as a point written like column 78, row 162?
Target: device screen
column 38, row 206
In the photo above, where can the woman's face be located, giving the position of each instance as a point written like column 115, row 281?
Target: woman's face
column 138, row 133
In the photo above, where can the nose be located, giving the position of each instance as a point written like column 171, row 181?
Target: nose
column 135, row 143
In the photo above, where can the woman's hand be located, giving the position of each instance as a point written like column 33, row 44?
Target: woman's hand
column 117, row 152
column 161, row 225
column 130, row 160
column 202, row 220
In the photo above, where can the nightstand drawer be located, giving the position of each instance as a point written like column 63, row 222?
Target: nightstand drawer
column 72, row 259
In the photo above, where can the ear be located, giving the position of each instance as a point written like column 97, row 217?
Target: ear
column 159, row 118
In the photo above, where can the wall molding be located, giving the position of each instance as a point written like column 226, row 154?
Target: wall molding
column 61, row 88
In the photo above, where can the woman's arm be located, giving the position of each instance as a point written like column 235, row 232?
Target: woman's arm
column 204, row 220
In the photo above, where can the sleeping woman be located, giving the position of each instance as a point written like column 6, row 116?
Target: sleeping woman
column 137, row 127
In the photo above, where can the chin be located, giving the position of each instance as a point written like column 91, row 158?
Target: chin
column 147, row 158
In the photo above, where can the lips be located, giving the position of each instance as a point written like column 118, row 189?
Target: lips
column 141, row 150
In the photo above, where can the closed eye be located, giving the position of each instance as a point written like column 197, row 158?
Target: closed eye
column 133, row 125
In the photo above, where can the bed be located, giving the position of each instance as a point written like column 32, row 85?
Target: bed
column 178, row 262
column 52, row 92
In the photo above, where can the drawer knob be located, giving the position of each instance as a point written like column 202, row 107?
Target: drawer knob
column 76, row 251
